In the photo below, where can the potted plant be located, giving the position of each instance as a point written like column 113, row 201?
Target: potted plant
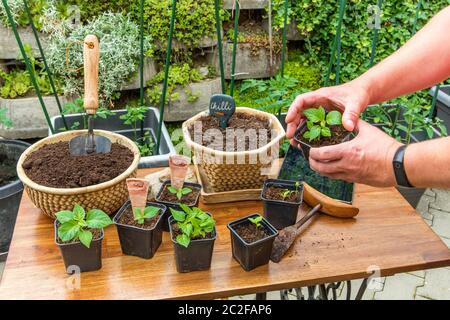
column 320, row 129
column 281, row 199
column 176, row 191
column 138, row 222
column 193, row 233
column 251, row 240
column 79, row 236
column 10, row 188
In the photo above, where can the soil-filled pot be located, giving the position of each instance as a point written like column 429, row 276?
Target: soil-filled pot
column 141, row 241
column 108, row 196
column 234, row 170
column 307, row 145
column 191, row 200
column 10, row 190
column 281, row 199
column 251, row 254
column 77, row 257
column 197, row 256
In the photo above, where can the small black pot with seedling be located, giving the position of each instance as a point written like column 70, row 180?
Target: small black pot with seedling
column 320, row 129
column 140, row 231
column 193, row 233
column 172, row 197
column 79, row 236
column 281, row 199
column 252, row 240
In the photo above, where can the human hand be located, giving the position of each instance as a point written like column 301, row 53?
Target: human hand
column 350, row 98
column 365, row 159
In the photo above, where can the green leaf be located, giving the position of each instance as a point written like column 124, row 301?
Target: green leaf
column 325, row 132
column 137, row 213
column 186, row 229
column 186, row 191
column 68, row 230
column 334, row 118
column 314, row 133
column 65, row 216
column 183, row 240
column 172, row 189
column 150, row 212
column 85, row 237
column 312, row 115
column 97, row 219
column 307, row 135
column 79, row 212
column 178, row 215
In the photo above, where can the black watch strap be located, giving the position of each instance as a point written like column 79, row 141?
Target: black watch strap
column 399, row 168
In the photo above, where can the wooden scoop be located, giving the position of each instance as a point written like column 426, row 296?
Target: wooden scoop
column 325, row 204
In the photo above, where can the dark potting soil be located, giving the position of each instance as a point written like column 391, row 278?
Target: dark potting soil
column 96, row 234
column 188, row 199
column 250, row 233
column 176, row 231
column 127, row 218
column 7, row 170
column 338, row 133
column 275, row 193
column 54, row 166
column 241, row 121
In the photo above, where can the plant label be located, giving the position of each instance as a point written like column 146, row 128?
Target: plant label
column 222, row 107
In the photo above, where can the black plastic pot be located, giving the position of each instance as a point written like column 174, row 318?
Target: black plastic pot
column 304, row 145
column 10, row 196
column 175, row 205
column 197, row 256
column 279, row 213
column 251, row 255
column 77, row 257
column 136, row 241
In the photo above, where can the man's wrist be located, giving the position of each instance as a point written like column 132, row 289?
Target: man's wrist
column 389, row 168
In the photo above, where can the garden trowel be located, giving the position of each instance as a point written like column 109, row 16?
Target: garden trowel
column 90, row 143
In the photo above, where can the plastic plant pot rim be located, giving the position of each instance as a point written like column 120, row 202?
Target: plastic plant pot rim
column 56, row 223
column 213, row 238
column 191, row 184
column 303, row 125
column 271, row 228
column 274, row 182
column 149, row 203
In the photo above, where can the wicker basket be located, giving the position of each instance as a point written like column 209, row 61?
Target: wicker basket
column 228, row 171
column 108, row 196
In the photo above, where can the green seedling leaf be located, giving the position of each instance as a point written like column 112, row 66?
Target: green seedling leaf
column 65, row 216
column 313, row 115
column 85, row 238
column 334, row 118
column 314, row 133
column 325, row 132
column 179, row 216
column 97, row 219
column 150, row 212
column 256, row 221
column 183, row 240
column 68, row 230
column 78, row 212
column 172, row 189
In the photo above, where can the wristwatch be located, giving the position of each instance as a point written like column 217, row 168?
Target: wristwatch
column 399, row 168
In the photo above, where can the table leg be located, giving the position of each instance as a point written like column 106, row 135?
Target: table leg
column 261, row 296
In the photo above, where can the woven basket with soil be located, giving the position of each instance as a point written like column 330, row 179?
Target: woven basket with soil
column 108, row 196
column 235, row 170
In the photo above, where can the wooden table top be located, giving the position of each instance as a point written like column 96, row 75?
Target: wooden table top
column 387, row 233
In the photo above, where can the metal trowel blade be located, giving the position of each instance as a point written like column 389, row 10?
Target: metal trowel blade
column 78, row 145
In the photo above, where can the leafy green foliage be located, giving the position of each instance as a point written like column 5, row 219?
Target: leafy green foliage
column 148, row 213
column 318, row 122
column 256, row 221
column 17, row 8
column 179, row 192
column 5, row 121
column 77, row 106
column 193, row 224
column 75, row 224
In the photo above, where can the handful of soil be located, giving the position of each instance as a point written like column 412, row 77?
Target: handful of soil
column 247, row 131
column 54, row 166
column 250, row 233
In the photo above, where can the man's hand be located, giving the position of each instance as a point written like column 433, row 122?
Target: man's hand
column 350, row 98
column 365, row 159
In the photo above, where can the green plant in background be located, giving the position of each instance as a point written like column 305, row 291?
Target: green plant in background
column 119, row 54
column 179, row 192
column 148, row 213
column 5, row 121
column 318, row 122
column 75, row 224
column 256, row 221
column 77, row 106
column 193, row 224
column 20, row 16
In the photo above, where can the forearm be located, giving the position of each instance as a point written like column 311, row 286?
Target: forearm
column 427, row 164
column 422, row 62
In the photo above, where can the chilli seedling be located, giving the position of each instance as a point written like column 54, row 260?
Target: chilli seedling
column 75, row 224
column 256, row 221
column 179, row 192
column 318, row 122
column 148, row 213
column 286, row 193
column 193, row 223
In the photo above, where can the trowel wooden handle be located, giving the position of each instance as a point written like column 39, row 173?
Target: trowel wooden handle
column 91, row 56
column 330, row 206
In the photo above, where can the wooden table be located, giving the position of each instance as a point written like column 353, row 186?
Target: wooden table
column 387, row 233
